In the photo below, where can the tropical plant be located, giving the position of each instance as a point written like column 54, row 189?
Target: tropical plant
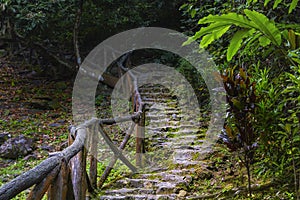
column 239, row 134
column 262, row 38
column 254, row 25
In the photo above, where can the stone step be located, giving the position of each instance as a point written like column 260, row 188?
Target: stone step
column 184, row 143
column 163, row 111
column 157, row 94
column 160, row 187
column 139, row 197
column 157, row 106
column 171, row 137
column 154, row 89
column 171, row 104
column 162, row 122
column 137, row 183
column 179, row 172
column 152, row 99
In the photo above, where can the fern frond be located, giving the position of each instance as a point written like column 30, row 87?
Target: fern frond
column 230, row 18
column 264, row 25
column 236, row 42
column 209, row 38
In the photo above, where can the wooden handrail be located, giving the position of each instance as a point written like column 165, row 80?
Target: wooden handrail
column 38, row 173
column 64, row 174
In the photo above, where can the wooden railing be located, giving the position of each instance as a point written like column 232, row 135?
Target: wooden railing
column 64, row 174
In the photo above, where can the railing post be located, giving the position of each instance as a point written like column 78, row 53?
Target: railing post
column 93, row 156
column 59, row 187
column 78, row 166
column 140, row 135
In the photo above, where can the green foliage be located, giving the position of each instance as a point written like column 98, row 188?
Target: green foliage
column 50, row 24
column 253, row 25
column 37, row 16
column 292, row 5
column 263, row 38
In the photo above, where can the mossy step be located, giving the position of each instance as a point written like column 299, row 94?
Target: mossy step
column 136, row 183
column 171, row 104
column 140, row 197
column 157, row 94
column 154, row 89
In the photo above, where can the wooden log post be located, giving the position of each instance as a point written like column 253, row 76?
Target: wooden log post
column 59, row 187
column 140, row 135
column 114, row 160
column 78, row 174
column 46, row 167
column 93, row 156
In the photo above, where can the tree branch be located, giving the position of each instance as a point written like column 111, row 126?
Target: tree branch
column 76, row 32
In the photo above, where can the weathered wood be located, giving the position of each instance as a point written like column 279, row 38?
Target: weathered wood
column 59, row 187
column 114, row 160
column 78, row 176
column 78, row 166
column 40, row 189
column 38, row 173
column 133, row 117
column 29, row 178
column 93, row 157
column 115, row 150
column 109, row 80
column 140, row 135
column 70, row 191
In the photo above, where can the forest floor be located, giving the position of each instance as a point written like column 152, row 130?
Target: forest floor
column 36, row 107
column 40, row 108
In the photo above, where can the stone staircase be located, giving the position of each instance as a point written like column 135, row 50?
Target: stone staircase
column 173, row 151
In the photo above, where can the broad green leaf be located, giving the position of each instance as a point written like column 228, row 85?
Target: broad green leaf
column 236, row 42
column 265, row 26
column 276, row 3
column 230, row 18
column 189, row 41
column 211, row 28
column 293, row 5
column 204, row 31
column 264, row 41
column 209, row 38
column 266, row 2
